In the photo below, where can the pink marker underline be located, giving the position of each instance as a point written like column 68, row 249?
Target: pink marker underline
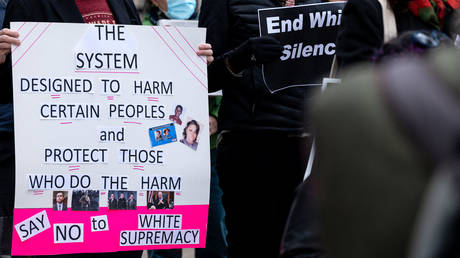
column 138, row 123
column 184, row 51
column 200, row 57
column 107, row 72
column 164, row 41
column 33, row 43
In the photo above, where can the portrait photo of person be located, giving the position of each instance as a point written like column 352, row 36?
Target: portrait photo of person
column 122, row 200
column 132, row 203
column 112, row 203
column 85, row 200
column 160, row 200
column 166, row 133
column 60, row 200
column 158, row 136
column 190, row 134
column 177, row 113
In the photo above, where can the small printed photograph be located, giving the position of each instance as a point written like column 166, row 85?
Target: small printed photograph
column 85, row 200
column 160, row 200
column 162, row 134
column 60, row 199
column 122, row 200
column 191, row 134
column 177, row 112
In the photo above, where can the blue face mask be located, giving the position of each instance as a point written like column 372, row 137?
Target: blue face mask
column 181, row 9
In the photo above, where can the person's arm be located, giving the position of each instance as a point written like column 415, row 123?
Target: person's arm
column 214, row 17
column 361, row 32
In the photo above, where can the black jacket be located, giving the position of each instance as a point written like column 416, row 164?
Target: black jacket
column 247, row 104
column 361, row 32
column 123, row 11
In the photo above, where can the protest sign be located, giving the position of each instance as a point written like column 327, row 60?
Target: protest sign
column 111, row 137
column 308, row 34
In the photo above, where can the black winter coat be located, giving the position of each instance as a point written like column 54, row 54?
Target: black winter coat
column 124, row 12
column 247, row 104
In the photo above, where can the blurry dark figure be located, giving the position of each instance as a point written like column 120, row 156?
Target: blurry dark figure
column 302, row 234
column 362, row 31
column 263, row 142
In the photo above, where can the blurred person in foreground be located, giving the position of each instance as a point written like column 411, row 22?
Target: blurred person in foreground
column 263, row 144
column 303, row 236
column 361, row 32
column 373, row 173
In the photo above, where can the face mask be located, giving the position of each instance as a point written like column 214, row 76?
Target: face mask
column 181, row 9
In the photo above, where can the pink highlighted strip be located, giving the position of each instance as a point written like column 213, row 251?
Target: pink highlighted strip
column 202, row 58
column 65, row 123
column 74, row 169
column 19, row 29
column 33, row 43
column 166, row 43
column 137, row 123
column 75, row 166
column 140, row 169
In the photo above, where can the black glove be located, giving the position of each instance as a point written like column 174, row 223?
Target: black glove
column 259, row 50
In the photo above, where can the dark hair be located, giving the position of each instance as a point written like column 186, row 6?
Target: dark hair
column 179, row 106
column 190, row 123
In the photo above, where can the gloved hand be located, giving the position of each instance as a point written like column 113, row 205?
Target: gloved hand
column 258, row 50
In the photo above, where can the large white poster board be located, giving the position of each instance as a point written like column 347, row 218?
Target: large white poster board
column 112, row 138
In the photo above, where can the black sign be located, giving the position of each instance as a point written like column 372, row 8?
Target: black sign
column 308, row 34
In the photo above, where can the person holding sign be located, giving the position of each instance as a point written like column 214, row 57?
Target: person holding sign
column 263, row 144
